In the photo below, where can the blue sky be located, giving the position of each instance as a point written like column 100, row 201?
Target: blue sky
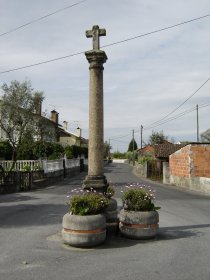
column 144, row 79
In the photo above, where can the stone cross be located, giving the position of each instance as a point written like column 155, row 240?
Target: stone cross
column 96, row 33
column 96, row 58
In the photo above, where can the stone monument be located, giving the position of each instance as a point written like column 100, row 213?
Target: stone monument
column 96, row 57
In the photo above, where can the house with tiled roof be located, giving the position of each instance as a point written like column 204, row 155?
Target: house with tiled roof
column 160, row 151
column 163, row 151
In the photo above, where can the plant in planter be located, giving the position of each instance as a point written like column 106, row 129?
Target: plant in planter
column 85, row 224
column 110, row 192
column 139, row 217
column 111, row 212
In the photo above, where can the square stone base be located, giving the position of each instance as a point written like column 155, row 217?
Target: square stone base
column 98, row 183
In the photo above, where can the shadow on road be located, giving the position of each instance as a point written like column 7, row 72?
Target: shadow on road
column 165, row 234
column 16, row 197
column 178, row 232
column 27, row 215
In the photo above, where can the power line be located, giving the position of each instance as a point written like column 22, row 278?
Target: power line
column 167, row 120
column 178, row 116
column 41, row 18
column 120, row 136
column 105, row 46
column 148, row 126
column 43, row 62
column 155, row 31
column 124, row 142
column 204, row 105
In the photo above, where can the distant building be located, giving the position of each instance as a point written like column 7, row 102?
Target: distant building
column 49, row 129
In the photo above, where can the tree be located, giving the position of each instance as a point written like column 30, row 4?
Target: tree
column 132, row 146
column 5, row 150
column 157, row 138
column 17, row 112
column 205, row 136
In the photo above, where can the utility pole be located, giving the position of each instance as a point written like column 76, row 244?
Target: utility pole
column 109, row 151
column 133, row 149
column 141, row 135
column 198, row 140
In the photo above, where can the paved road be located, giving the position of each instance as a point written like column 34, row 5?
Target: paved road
column 31, row 247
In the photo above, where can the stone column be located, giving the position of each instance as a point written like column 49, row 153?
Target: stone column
column 96, row 57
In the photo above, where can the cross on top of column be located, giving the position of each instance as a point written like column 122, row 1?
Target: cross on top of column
column 96, row 33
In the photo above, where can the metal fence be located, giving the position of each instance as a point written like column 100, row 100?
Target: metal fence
column 15, row 181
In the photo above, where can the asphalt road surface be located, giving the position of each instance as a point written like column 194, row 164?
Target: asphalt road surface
column 31, row 245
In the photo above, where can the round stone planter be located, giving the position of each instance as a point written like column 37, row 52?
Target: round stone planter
column 111, row 214
column 111, row 211
column 84, row 231
column 139, row 225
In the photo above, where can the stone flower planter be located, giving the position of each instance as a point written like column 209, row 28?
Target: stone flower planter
column 84, row 231
column 139, row 224
column 111, row 214
column 111, row 211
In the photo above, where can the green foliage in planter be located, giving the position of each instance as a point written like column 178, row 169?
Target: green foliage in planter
column 138, row 200
column 88, row 204
column 110, row 192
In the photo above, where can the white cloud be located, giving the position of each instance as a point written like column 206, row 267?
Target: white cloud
column 144, row 79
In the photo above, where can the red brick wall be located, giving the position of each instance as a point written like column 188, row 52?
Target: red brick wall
column 192, row 160
column 180, row 163
column 201, row 160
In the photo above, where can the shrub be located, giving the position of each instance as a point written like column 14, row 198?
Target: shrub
column 110, row 192
column 43, row 149
column 5, row 150
column 88, row 203
column 138, row 199
column 143, row 159
column 26, row 168
column 75, row 151
column 119, row 155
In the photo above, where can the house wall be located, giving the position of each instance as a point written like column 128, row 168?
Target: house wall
column 190, row 167
column 67, row 141
column 141, row 169
column 180, row 162
column 166, row 173
column 200, row 155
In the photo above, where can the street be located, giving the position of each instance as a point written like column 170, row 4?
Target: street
column 31, row 246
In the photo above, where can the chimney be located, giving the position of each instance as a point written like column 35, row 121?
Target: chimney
column 79, row 132
column 65, row 125
column 54, row 116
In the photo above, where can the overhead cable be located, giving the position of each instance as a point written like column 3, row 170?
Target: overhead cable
column 155, row 31
column 105, row 46
column 160, row 120
column 178, row 116
column 41, row 18
column 167, row 120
